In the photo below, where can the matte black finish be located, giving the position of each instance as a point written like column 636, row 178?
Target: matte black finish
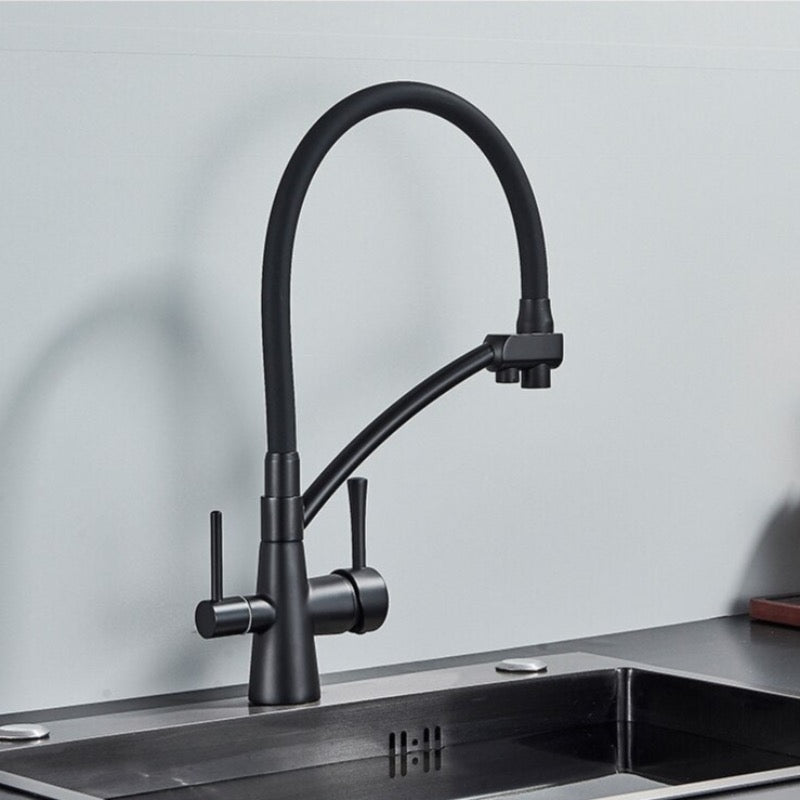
column 216, row 555
column 369, row 588
column 233, row 615
column 384, row 425
column 282, row 519
column 537, row 377
column 292, row 610
column 283, row 666
column 357, row 495
column 332, row 604
column 535, row 316
column 372, row 598
column 507, row 375
column 227, row 616
column 278, row 374
column 281, row 474
column 525, row 350
column 500, row 353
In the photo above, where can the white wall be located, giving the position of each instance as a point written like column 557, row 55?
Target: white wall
column 139, row 151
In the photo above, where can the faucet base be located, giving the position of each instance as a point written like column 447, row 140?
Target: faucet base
column 283, row 665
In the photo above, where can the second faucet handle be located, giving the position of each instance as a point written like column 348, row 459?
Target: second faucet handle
column 226, row 616
column 357, row 494
column 366, row 584
column 216, row 556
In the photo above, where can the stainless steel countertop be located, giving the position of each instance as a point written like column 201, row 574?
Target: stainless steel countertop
column 732, row 648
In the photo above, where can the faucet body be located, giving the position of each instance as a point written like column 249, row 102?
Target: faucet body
column 288, row 609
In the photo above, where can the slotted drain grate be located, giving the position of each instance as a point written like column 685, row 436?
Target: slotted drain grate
column 412, row 750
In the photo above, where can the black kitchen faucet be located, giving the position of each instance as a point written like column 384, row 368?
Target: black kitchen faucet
column 288, row 609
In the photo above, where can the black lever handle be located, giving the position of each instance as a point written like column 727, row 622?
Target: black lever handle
column 354, row 599
column 216, row 556
column 221, row 616
column 357, row 493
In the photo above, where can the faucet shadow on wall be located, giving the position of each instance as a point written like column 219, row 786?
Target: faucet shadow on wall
column 249, row 127
column 137, row 310
column 774, row 565
column 161, row 306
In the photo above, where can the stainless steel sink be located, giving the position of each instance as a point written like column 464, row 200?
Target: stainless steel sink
column 590, row 727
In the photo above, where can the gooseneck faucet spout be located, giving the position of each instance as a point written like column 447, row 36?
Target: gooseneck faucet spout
column 288, row 610
column 278, row 377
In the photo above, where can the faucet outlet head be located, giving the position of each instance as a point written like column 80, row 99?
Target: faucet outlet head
column 533, row 353
column 507, row 375
column 537, row 377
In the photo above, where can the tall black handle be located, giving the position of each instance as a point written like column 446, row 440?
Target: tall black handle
column 357, row 492
column 216, row 556
column 221, row 616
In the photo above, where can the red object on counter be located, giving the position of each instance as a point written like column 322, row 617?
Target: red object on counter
column 784, row 610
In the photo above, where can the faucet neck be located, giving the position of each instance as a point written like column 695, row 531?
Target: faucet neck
column 275, row 291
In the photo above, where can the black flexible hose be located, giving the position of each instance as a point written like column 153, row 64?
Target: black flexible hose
column 383, row 426
column 275, row 305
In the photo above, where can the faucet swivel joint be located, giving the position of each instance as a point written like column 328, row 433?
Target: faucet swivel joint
column 533, row 351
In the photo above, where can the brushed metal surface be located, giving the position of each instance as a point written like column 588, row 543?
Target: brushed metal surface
column 521, row 665
column 604, row 727
column 21, row 732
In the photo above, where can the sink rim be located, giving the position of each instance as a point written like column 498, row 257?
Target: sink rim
column 181, row 715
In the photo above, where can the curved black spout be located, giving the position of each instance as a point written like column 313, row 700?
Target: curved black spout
column 275, row 290
column 383, row 426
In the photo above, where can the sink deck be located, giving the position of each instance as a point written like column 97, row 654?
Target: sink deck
column 590, row 728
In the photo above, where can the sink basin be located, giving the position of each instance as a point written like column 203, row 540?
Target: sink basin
column 591, row 727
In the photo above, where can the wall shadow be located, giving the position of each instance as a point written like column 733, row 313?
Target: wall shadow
column 774, row 566
column 138, row 312
column 164, row 307
column 239, row 133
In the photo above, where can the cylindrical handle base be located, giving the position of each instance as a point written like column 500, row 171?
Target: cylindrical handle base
column 233, row 615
